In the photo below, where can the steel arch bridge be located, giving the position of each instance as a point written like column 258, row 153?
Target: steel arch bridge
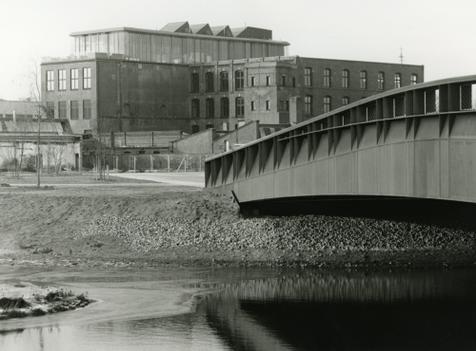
column 416, row 143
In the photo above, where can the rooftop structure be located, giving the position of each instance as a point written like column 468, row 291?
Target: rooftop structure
column 180, row 42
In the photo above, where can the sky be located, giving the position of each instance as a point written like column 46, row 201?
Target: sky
column 439, row 34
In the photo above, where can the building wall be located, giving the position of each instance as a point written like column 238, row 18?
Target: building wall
column 80, row 95
column 354, row 91
column 135, row 96
column 125, row 95
column 279, row 89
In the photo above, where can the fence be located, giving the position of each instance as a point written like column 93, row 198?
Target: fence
column 156, row 163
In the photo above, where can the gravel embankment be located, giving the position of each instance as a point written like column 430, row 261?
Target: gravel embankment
column 309, row 239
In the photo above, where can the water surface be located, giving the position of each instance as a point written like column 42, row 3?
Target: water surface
column 254, row 310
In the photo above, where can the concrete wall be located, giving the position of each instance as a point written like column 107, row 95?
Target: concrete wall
column 243, row 135
column 198, row 143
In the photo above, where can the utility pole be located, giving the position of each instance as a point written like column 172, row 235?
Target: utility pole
column 401, row 56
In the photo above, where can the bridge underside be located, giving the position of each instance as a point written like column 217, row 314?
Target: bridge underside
column 428, row 211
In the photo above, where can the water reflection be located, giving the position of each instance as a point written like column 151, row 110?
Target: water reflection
column 354, row 311
column 291, row 310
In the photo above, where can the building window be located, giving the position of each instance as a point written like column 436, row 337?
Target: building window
column 61, row 79
column 210, row 107
column 308, row 104
column 86, row 109
column 345, row 78
column 87, row 78
column 413, row 79
column 326, row 81
column 326, row 103
column 253, row 106
column 268, row 80
column 195, row 108
column 239, row 80
column 363, row 79
column 62, row 109
column 294, row 82
column 50, row 80
column 308, row 77
column 224, row 107
column 239, row 107
column 283, row 80
column 223, row 81
column 50, row 109
column 345, row 100
column 74, row 110
column 397, row 80
column 284, row 105
column 74, row 79
column 209, row 82
column 253, row 81
column 268, row 105
column 195, row 82
column 381, row 81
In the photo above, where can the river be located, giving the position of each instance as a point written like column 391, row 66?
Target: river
column 251, row 309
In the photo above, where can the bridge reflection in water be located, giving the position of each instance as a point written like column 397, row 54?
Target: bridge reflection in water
column 405, row 152
column 352, row 311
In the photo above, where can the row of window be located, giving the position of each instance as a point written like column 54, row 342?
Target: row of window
column 345, row 79
column 73, row 79
column 239, row 80
column 74, row 105
column 326, row 103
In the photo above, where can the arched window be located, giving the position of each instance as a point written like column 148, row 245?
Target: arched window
column 224, row 107
column 397, row 80
column 327, row 103
column 195, row 108
column 363, row 79
column 223, row 81
column 209, row 82
column 239, row 107
column 210, row 107
column 239, row 80
column 326, row 81
column 381, row 81
column 345, row 78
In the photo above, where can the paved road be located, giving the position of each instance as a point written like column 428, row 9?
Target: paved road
column 196, row 179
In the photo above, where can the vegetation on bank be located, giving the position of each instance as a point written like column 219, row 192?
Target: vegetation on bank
column 25, row 300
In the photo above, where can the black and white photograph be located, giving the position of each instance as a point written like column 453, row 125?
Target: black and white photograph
column 240, row 175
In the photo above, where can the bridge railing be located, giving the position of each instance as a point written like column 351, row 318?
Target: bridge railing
column 444, row 99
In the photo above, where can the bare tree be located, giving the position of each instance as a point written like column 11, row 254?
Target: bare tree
column 55, row 154
column 35, row 96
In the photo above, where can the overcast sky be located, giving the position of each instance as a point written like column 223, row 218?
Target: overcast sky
column 437, row 33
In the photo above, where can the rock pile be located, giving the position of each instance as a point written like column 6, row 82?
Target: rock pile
column 310, row 233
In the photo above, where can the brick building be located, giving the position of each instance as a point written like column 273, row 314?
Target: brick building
column 193, row 77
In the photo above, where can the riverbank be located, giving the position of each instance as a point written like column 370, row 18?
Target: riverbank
column 144, row 225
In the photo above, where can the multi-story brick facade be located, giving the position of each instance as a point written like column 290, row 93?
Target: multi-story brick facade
column 284, row 90
column 195, row 77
